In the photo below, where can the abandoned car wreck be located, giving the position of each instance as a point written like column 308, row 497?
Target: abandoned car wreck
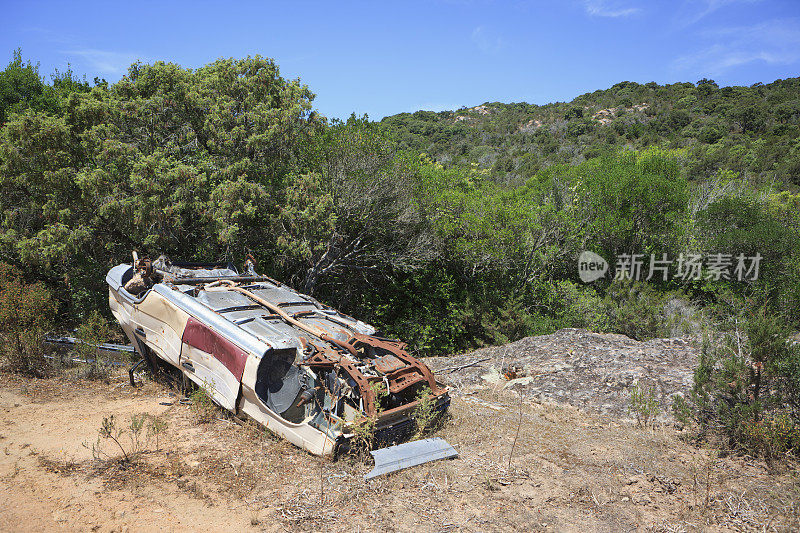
column 302, row 369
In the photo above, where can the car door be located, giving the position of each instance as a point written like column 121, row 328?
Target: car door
column 212, row 361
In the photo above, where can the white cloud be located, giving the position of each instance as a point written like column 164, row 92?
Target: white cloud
column 104, row 61
column 485, row 40
column 775, row 42
column 694, row 10
column 612, row 9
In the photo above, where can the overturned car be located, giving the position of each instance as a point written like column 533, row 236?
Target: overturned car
column 304, row 370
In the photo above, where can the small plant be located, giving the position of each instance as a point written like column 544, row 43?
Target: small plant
column 516, row 436
column 380, row 390
column 424, row 414
column 771, row 436
column 108, row 430
column 93, row 331
column 702, row 481
column 155, row 427
column 363, row 438
column 681, row 410
column 644, row 405
column 138, row 424
column 202, row 403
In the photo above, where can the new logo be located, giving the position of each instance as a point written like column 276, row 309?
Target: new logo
column 591, row 266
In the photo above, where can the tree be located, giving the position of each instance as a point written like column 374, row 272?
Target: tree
column 188, row 163
column 357, row 218
column 632, row 203
column 22, row 88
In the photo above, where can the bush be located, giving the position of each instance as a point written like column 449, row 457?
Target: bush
column 27, row 312
column 91, row 332
column 202, row 403
column 140, row 429
column 748, row 385
column 636, row 309
column 644, row 405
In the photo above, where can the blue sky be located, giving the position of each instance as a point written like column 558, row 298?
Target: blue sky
column 382, row 57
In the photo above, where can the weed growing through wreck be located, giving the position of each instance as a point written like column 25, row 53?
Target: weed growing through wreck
column 424, row 414
column 644, row 405
column 202, row 404
column 363, row 437
column 381, row 391
column 363, row 428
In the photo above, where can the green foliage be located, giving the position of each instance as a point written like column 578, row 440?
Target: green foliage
column 644, row 404
column 91, row 332
column 21, row 87
column 424, row 414
column 202, row 403
column 674, row 116
column 747, row 384
column 27, row 312
column 636, row 309
column 167, row 160
column 633, row 202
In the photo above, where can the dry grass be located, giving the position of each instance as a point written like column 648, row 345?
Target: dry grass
column 570, row 471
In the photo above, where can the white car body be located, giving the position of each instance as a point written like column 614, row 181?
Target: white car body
column 261, row 349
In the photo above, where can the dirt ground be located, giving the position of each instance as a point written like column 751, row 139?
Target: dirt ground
column 570, row 471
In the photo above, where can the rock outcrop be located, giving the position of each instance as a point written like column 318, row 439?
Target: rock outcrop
column 593, row 371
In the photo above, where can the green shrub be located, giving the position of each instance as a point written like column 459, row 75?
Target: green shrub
column 636, row 309
column 576, row 306
column 644, row 405
column 748, row 385
column 425, row 413
column 27, row 312
column 93, row 331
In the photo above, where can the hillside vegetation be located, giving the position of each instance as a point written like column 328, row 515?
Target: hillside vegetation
column 449, row 230
column 751, row 131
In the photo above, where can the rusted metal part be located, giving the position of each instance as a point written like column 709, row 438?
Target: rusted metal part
column 341, row 344
column 272, row 307
column 387, row 364
column 145, row 266
column 404, row 378
column 327, row 358
column 398, row 350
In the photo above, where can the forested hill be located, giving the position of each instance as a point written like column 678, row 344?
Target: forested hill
column 753, row 130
